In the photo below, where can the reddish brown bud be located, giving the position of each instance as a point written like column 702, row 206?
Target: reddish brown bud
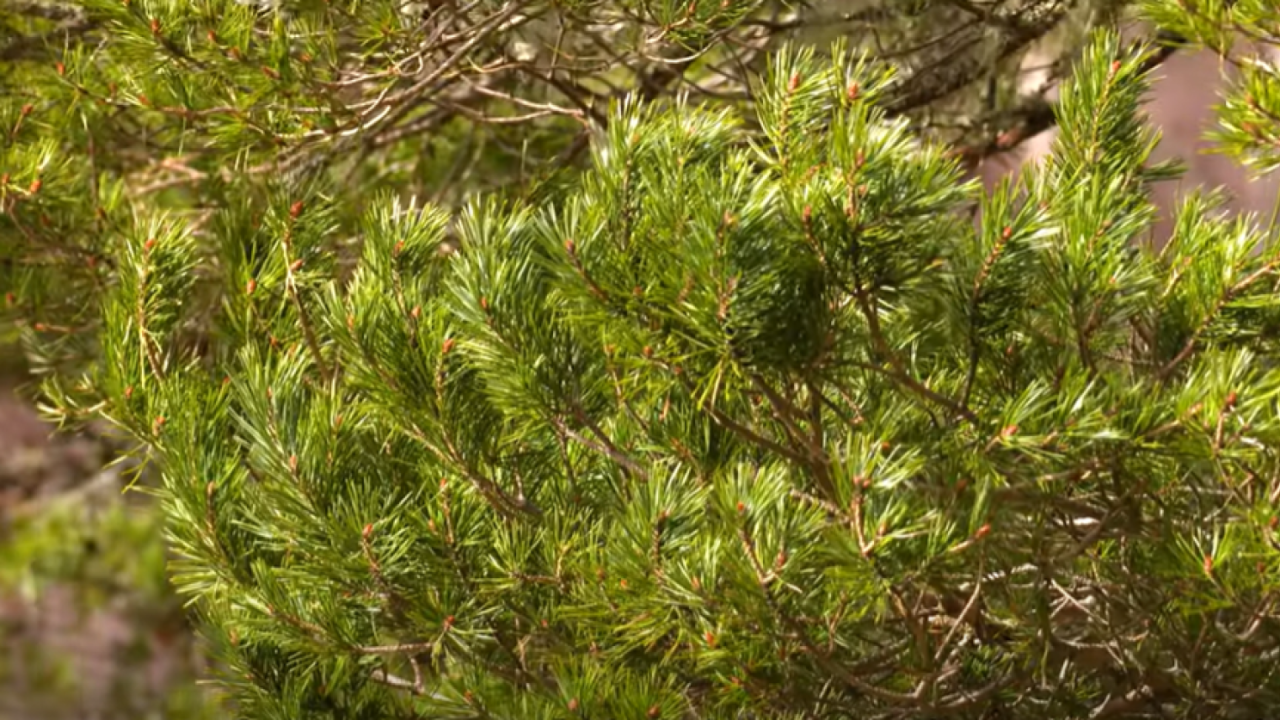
column 293, row 463
column 647, row 351
column 573, row 705
column 1115, row 67
column 212, row 36
column 234, row 53
column 155, row 26
column 128, row 392
column 484, row 304
column 622, row 583
column 448, row 623
column 305, row 57
column 250, row 286
column 415, row 312
column 742, row 508
column 570, row 246
column 295, row 210
column 143, row 100
column 296, row 265
column 710, row 638
column 269, row 72
column 794, row 82
column 1006, row 233
column 448, row 345
column 1231, row 400
column 444, row 483
column 149, row 244
column 35, row 186
column 367, row 532
column 654, row 711
column 26, row 109
column 852, row 91
column 62, row 69
column 983, row 531
column 1208, row 564
column 1008, row 432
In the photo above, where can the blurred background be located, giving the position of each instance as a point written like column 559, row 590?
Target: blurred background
column 89, row 629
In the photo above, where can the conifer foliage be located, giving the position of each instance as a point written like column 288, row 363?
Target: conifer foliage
column 739, row 426
column 1245, row 34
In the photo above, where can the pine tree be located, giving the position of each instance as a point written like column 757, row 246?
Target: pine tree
column 756, row 418
column 738, row 424
column 111, row 110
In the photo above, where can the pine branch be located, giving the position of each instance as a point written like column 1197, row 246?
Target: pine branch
column 899, row 371
column 1035, row 116
column 1190, row 346
column 1019, row 29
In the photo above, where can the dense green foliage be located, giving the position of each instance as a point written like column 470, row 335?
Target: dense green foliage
column 769, row 413
column 114, row 110
column 733, row 426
